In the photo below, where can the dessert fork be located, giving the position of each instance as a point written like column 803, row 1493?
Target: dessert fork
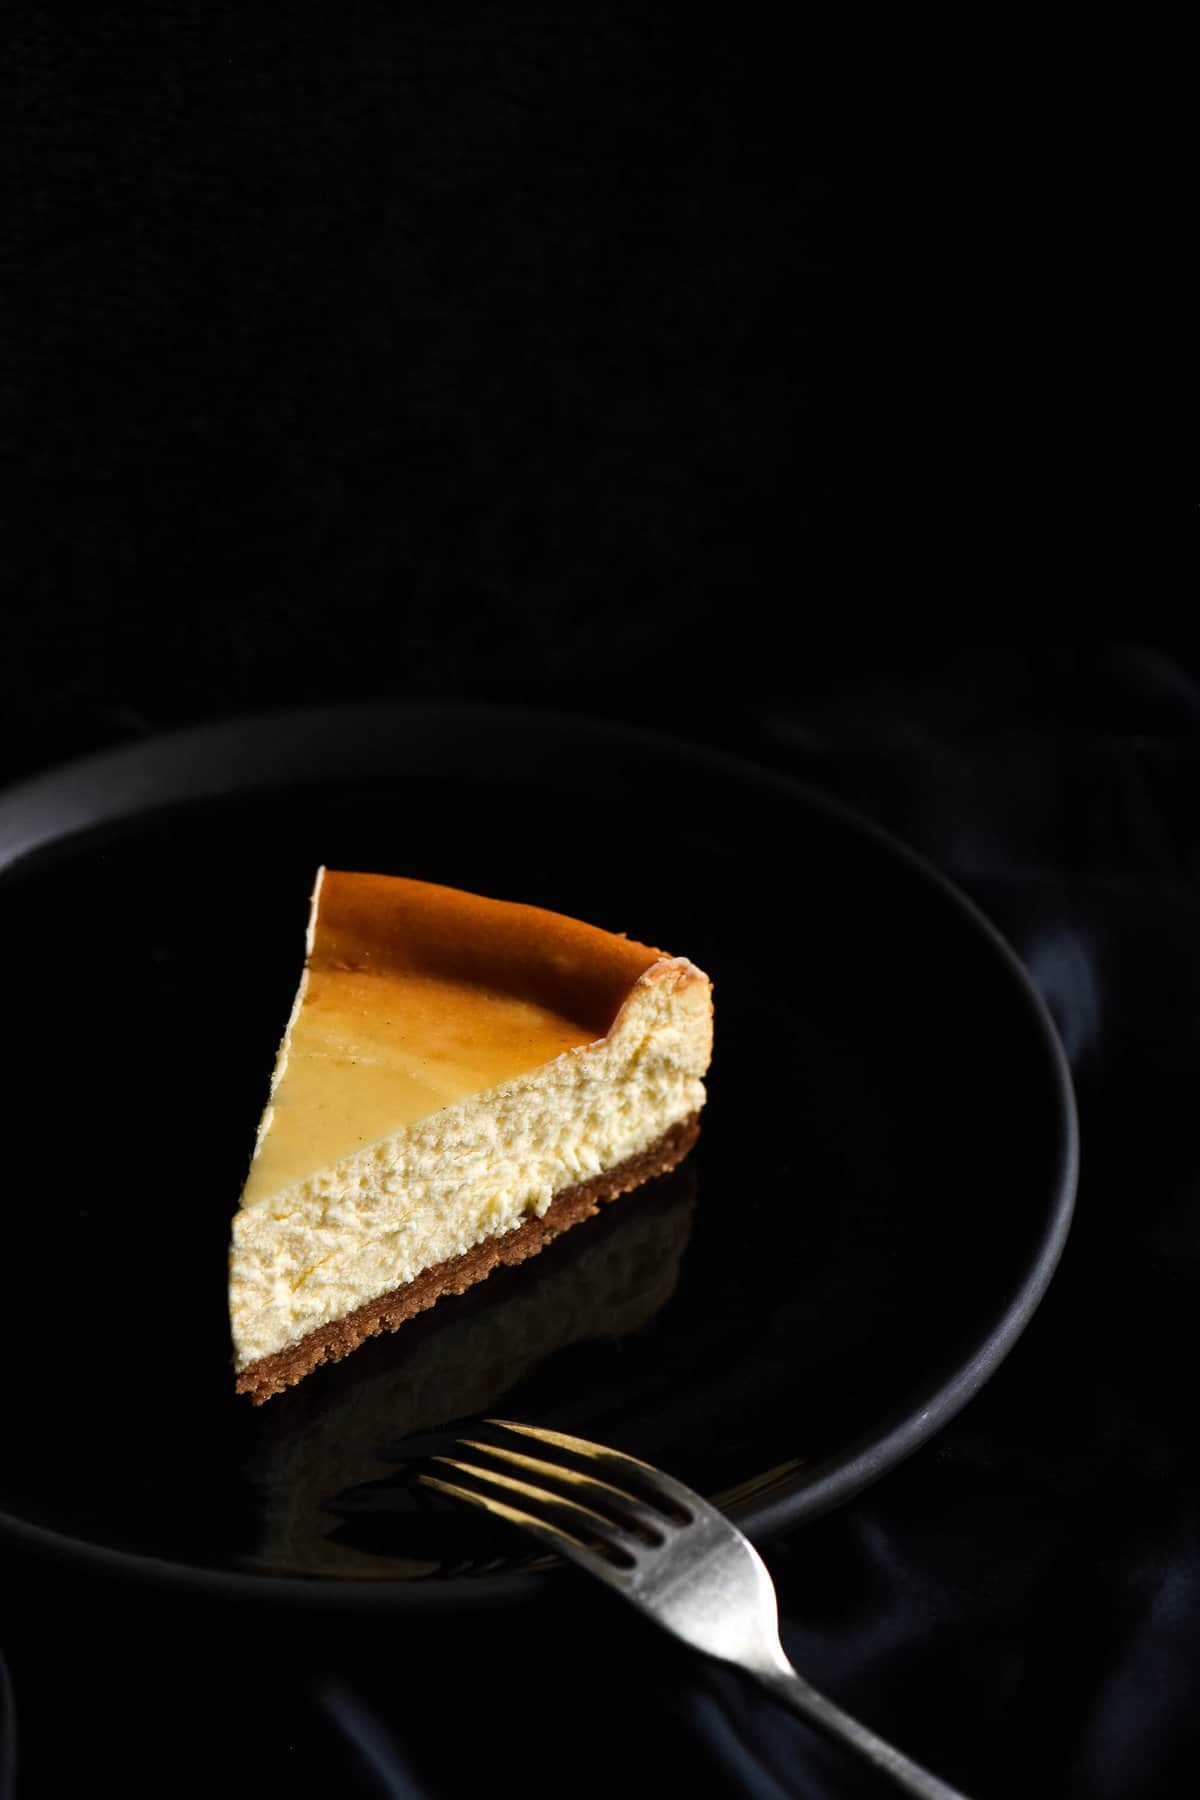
column 668, row 1552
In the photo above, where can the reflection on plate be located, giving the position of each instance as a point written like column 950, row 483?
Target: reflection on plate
column 326, row 1443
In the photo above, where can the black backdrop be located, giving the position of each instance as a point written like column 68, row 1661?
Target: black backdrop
column 716, row 378
column 507, row 355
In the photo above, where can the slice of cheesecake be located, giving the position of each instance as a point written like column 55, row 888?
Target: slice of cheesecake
column 460, row 1080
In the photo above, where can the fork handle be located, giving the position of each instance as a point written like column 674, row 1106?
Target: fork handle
column 795, row 1692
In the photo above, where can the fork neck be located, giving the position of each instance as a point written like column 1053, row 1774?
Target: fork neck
column 783, row 1681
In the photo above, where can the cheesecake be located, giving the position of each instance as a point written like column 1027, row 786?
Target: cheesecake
column 461, row 1079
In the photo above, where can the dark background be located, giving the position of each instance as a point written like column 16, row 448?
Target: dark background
column 733, row 380
column 621, row 366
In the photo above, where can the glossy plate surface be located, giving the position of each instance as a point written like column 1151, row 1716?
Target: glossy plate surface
column 883, row 1184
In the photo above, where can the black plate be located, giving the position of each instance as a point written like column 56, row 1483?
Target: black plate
column 882, row 1188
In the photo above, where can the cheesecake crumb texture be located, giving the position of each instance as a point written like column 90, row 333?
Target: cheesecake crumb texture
column 306, row 1256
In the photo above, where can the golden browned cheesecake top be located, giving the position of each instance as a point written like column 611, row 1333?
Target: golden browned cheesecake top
column 415, row 996
column 387, row 924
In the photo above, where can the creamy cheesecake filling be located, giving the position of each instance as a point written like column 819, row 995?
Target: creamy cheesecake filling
column 368, row 1053
column 307, row 1251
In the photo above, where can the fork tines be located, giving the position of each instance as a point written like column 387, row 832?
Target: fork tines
column 582, row 1513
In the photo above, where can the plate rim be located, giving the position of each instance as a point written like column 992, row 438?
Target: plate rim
column 252, row 750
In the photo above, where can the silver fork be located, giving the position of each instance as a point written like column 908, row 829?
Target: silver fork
column 670, row 1553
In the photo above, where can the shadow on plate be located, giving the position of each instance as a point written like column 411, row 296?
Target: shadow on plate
column 329, row 1511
